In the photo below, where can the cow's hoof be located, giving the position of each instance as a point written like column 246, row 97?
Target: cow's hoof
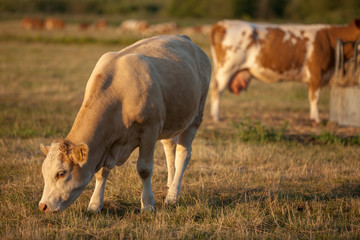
column 314, row 123
column 171, row 199
column 94, row 208
column 148, row 209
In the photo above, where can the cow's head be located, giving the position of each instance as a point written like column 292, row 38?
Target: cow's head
column 350, row 37
column 356, row 23
column 64, row 174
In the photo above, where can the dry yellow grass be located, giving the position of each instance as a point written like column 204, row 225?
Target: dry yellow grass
column 231, row 189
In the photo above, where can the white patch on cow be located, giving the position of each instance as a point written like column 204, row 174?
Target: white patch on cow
column 234, row 34
column 288, row 37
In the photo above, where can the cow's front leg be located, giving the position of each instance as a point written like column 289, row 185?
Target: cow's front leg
column 314, row 95
column 144, row 168
column 97, row 198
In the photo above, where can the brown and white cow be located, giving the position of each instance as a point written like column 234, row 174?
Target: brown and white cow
column 270, row 53
column 154, row 89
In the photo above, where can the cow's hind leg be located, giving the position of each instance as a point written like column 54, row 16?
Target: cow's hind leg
column 314, row 95
column 97, row 198
column 183, row 154
column 144, row 168
column 170, row 149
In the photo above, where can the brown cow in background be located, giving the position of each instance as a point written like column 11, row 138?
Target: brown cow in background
column 32, row 23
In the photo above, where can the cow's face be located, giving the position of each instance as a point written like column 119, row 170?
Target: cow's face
column 64, row 175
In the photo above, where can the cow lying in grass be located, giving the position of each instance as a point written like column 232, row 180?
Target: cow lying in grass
column 154, row 89
column 270, row 53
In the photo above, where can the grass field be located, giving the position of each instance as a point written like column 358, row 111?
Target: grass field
column 263, row 172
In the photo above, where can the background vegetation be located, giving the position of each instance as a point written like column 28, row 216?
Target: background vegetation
column 325, row 11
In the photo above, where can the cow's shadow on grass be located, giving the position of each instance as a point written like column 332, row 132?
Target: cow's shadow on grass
column 220, row 198
column 347, row 189
column 120, row 208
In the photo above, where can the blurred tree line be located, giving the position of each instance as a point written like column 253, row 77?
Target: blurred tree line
column 325, row 11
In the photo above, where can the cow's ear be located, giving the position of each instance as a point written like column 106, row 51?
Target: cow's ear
column 79, row 154
column 356, row 23
column 44, row 149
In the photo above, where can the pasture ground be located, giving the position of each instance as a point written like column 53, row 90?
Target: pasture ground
column 263, row 172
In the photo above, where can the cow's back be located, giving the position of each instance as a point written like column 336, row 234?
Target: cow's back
column 270, row 52
column 162, row 80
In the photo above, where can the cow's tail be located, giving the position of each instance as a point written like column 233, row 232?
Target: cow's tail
column 214, row 98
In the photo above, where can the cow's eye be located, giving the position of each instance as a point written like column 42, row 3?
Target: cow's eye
column 60, row 174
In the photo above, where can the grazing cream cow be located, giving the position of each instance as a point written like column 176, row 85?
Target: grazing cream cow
column 154, row 89
column 270, row 53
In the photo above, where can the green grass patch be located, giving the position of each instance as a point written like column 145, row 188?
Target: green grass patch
column 327, row 137
column 257, row 132
column 254, row 131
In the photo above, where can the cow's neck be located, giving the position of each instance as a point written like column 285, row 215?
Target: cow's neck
column 92, row 127
column 346, row 33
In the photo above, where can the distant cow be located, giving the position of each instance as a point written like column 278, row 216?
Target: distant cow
column 162, row 28
column 84, row 26
column 270, row 53
column 54, row 23
column 100, row 24
column 200, row 29
column 32, row 23
column 133, row 25
column 154, row 89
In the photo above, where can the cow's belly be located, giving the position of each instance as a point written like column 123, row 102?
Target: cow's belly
column 178, row 122
column 270, row 76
